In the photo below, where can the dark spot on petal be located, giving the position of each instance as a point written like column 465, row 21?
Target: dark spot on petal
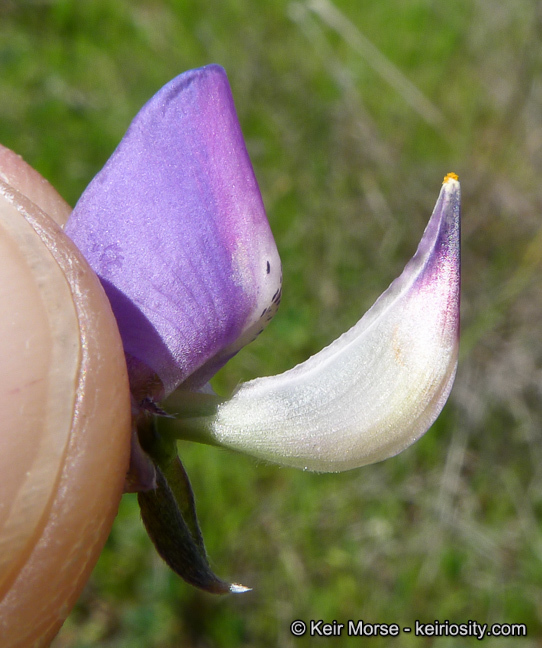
column 268, row 267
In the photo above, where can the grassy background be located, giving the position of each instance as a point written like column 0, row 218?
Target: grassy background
column 352, row 113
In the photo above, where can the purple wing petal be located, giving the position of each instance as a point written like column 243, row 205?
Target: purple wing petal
column 175, row 227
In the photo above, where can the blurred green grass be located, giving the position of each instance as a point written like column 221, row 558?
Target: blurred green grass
column 349, row 166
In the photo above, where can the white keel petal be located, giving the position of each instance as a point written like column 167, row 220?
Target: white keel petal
column 376, row 389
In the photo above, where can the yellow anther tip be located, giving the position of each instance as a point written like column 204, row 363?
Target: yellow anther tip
column 450, row 176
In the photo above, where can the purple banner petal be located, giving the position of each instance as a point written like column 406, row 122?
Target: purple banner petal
column 175, row 227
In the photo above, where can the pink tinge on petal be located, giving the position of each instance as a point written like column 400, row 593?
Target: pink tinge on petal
column 435, row 268
column 175, row 227
column 439, row 254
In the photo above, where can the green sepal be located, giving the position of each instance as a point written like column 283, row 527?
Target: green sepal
column 169, row 513
column 173, row 539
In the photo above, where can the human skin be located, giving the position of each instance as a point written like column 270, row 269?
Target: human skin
column 65, row 431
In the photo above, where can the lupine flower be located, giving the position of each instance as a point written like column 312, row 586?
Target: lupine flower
column 175, row 228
